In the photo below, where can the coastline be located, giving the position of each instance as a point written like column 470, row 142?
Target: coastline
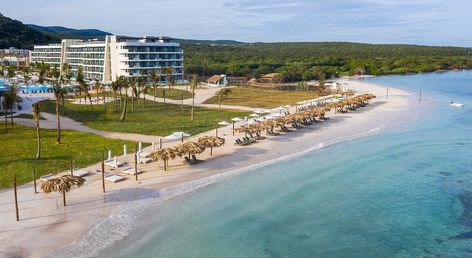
column 45, row 226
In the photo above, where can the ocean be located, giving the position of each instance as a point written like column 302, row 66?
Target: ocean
column 406, row 192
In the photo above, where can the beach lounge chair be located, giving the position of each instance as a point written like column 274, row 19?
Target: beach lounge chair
column 46, row 177
column 144, row 154
column 114, row 163
column 145, row 160
column 132, row 171
column 114, row 178
column 260, row 137
column 194, row 158
column 190, row 161
column 80, row 172
column 250, row 140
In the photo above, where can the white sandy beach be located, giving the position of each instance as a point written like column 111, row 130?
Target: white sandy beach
column 46, row 225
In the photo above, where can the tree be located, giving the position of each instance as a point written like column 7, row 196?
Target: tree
column 124, row 83
column 169, row 77
column 26, row 74
column 97, row 87
column 10, row 98
column 134, row 91
column 193, row 86
column 37, row 116
column 154, row 77
column 58, row 94
column 115, row 87
column 42, row 70
column 10, row 72
column 221, row 94
column 83, row 85
column 322, row 81
column 67, row 72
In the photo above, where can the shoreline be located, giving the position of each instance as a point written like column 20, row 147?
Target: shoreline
column 62, row 232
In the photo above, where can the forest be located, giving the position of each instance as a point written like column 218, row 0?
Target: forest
column 307, row 61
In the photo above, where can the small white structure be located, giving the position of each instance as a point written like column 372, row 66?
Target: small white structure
column 217, row 81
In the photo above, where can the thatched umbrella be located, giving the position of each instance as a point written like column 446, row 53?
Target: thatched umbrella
column 165, row 155
column 190, row 148
column 62, row 184
column 210, row 142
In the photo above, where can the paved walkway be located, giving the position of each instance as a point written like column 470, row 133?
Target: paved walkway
column 50, row 121
column 201, row 95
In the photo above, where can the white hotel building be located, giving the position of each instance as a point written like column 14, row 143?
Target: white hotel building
column 107, row 59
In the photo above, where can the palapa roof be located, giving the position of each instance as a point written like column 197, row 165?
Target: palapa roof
column 215, row 78
column 269, row 75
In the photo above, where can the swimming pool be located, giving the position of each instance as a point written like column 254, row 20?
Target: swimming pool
column 31, row 88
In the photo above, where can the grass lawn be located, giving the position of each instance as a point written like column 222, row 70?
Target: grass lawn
column 153, row 119
column 261, row 98
column 18, row 151
column 175, row 94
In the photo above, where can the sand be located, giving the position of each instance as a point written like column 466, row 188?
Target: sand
column 46, row 225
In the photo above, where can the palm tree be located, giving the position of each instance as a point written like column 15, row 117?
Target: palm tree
column 154, row 77
column 2, row 71
column 10, row 98
column 221, row 94
column 83, row 86
column 134, row 91
column 115, row 86
column 123, row 82
column 62, row 184
column 42, row 71
column 169, row 78
column 193, row 86
column 37, row 115
column 26, row 72
column 10, row 72
column 58, row 94
column 67, row 72
column 97, row 87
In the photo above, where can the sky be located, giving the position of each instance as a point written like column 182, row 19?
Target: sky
column 428, row 22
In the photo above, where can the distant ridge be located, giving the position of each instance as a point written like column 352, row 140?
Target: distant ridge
column 210, row 42
column 64, row 32
column 14, row 33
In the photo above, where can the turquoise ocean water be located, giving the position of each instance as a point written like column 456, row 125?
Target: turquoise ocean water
column 404, row 193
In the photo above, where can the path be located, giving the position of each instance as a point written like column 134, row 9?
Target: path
column 70, row 124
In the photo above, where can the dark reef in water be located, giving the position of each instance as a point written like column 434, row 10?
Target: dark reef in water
column 463, row 236
column 466, row 217
column 466, row 199
column 446, row 173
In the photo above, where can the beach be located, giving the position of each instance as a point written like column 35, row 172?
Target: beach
column 46, row 227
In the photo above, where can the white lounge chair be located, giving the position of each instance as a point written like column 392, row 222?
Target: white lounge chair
column 80, row 172
column 144, row 154
column 132, row 171
column 114, row 178
column 145, row 160
column 46, row 177
column 114, row 163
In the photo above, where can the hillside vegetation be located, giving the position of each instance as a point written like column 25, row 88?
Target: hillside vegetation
column 14, row 33
column 305, row 61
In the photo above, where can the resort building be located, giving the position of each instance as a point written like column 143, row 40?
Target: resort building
column 217, row 81
column 14, row 57
column 105, row 60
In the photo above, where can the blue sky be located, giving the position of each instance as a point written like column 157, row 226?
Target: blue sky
column 431, row 22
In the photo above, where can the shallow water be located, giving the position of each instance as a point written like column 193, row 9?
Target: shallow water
column 404, row 193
